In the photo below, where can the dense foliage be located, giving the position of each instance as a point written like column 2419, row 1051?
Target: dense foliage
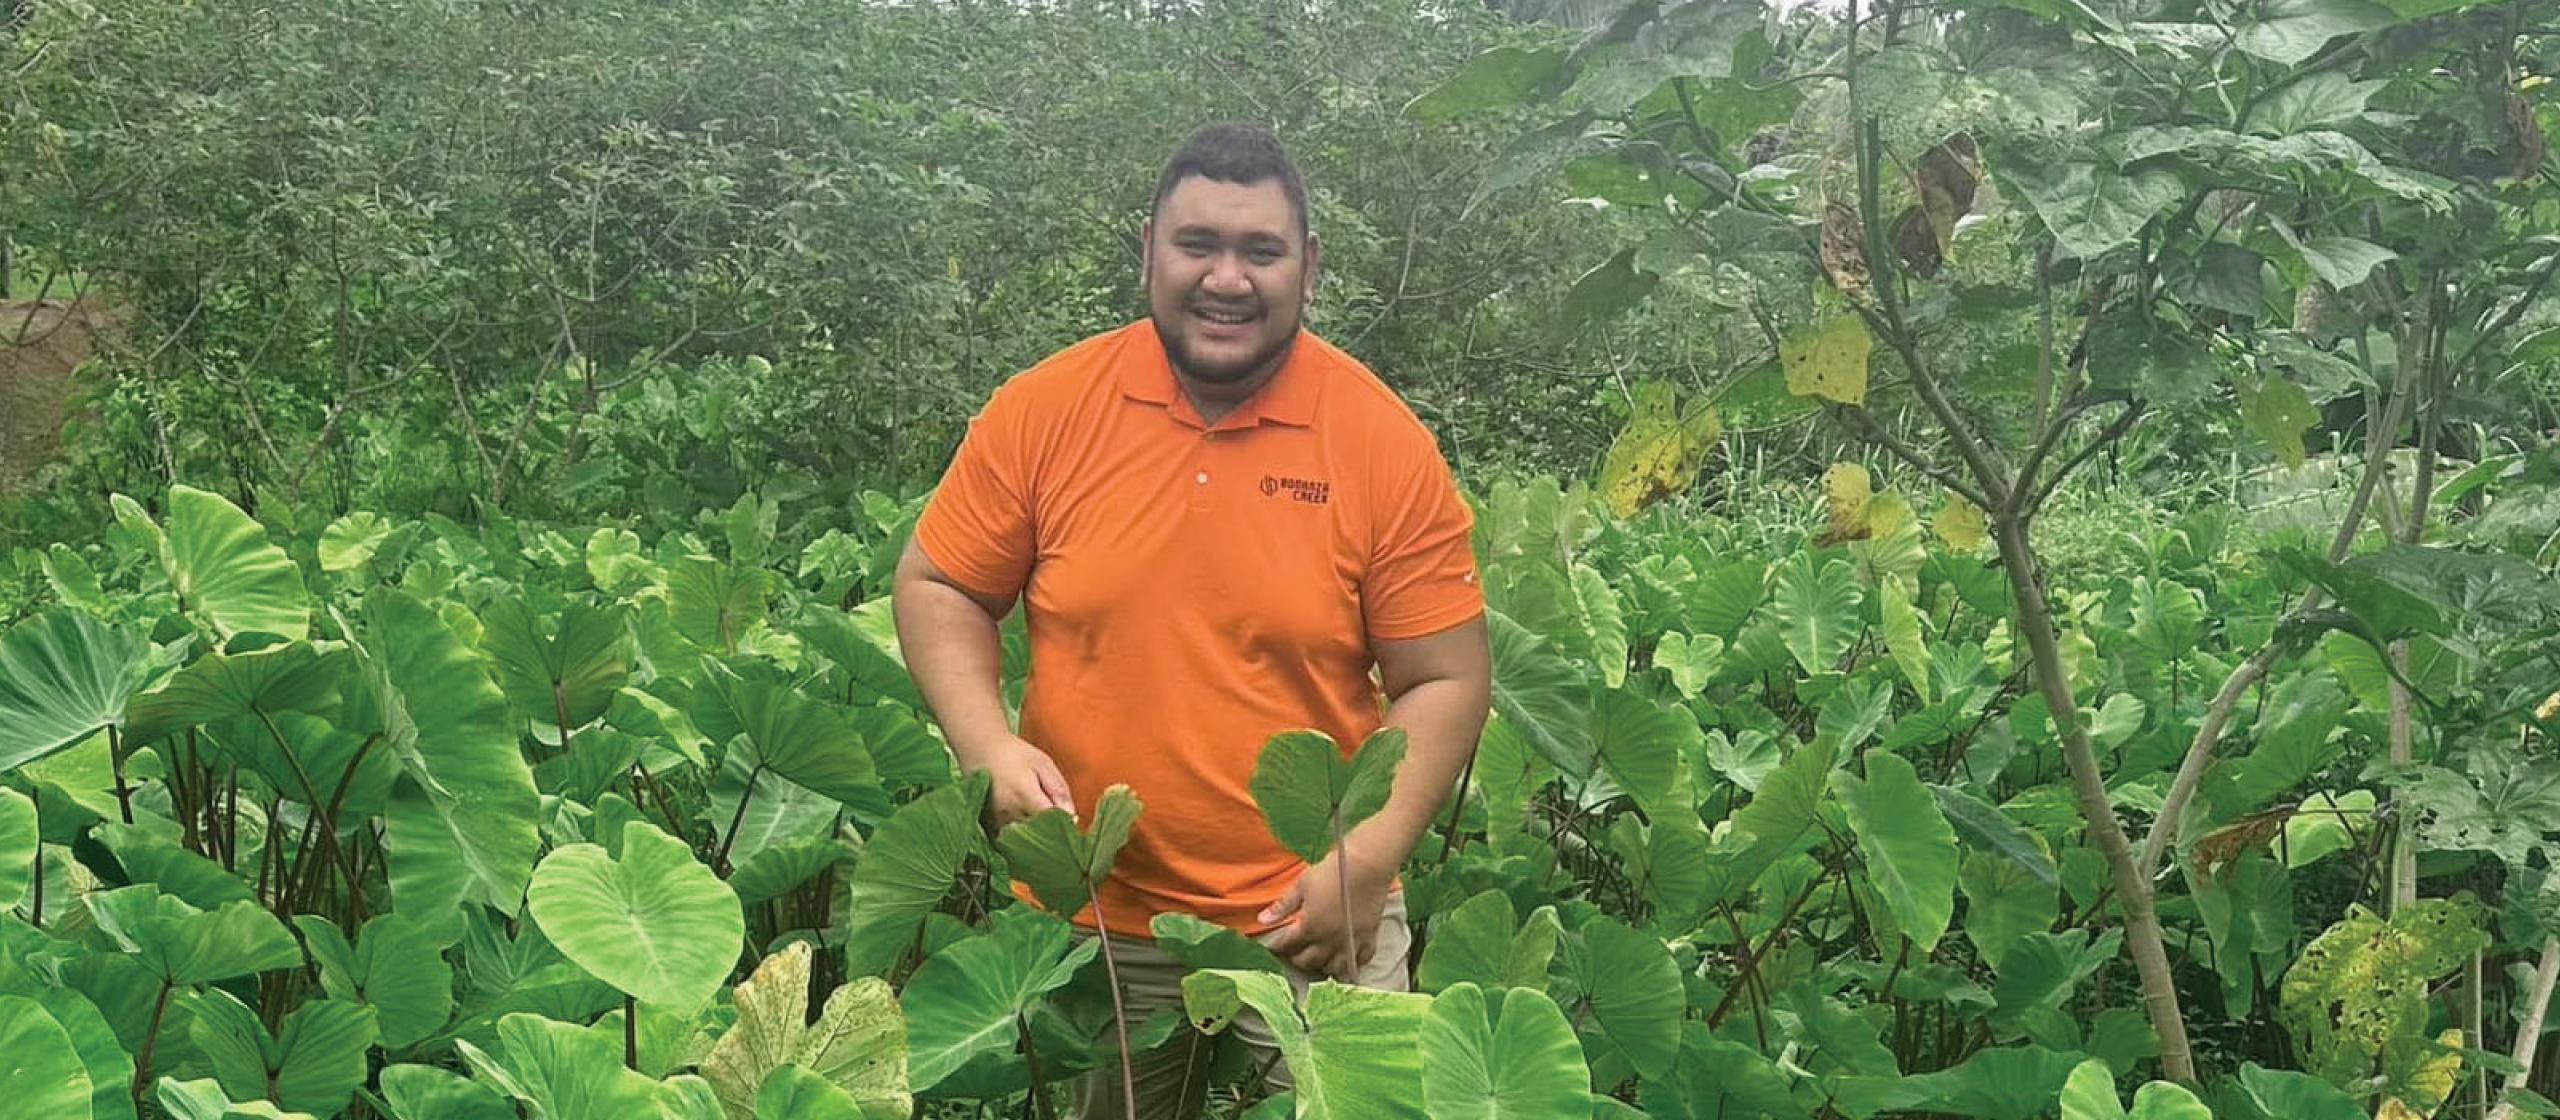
column 2051, row 612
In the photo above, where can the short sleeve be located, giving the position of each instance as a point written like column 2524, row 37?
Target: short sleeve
column 1422, row 570
column 977, row 527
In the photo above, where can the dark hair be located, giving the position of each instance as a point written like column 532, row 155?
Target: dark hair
column 1243, row 154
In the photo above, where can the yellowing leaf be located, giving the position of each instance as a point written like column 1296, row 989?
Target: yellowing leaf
column 1847, row 486
column 2550, row 708
column 2433, row 1080
column 1659, row 453
column 1960, row 524
column 2278, row 412
column 1829, row 362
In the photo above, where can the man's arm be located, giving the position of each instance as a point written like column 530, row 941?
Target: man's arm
column 948, row 636
column 1439, row 690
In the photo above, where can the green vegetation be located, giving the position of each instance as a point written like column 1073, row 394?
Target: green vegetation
column 2021, row 538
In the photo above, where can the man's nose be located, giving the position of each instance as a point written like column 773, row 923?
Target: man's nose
column 1226, row 277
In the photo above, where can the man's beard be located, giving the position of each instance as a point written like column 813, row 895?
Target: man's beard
column 1189, row 366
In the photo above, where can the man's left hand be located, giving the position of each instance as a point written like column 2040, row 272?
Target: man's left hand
column 1325, row 939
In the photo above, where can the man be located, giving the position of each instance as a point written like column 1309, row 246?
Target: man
column 1218, row 524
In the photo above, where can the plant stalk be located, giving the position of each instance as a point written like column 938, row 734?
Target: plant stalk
column 631, row 1032
column 2529, row 1036
column 2133, row 888
column 150, row 1043
column 1119, row 1012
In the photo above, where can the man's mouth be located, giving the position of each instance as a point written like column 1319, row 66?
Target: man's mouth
column 1230, row 317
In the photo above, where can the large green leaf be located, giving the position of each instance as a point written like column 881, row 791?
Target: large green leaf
column 1641, row 744
column 313, row 1065
column 858, row 1044
column 1909, row 848
column 1540, row 696
column 1500, row 1055
column 1991, row 831
column 1719, row 1080
column 2090, row 1094
column 1311, row 795
column 1500, row 78
column 1483, row 941
column 713, row 604
column 564, row 673
column 63, row 676
column 225, row 569
column 1787, row 805
column 1903, row 637
column 109, row 1067
column 203, row 1099
column 2318, row 99
column 396, row 967
column 2094, row 208
column 1816, row 611
column 182, row 945
column 2297, row 1096
column 794, row 736
column 1603, row 622
column 656, row 924
column 18, row 839
column 1196, row 942
column 967, row 999
column 349, row 543
column 154, row 856
column 431, row 1093
column 2009, row 1083
column 561, row 1070
column 1355, row 1053
column 904, row 872
column 291, row 676
column 2287, row 32
column 1062, row 865
column 461, row 820
column 754, row 810
column 41, row 1073
column 1633, row 990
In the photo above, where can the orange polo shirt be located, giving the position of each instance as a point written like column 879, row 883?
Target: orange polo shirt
column 1192, row 589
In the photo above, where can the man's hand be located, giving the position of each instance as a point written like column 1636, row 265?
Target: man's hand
column 1316, row 941
column 1026, row 780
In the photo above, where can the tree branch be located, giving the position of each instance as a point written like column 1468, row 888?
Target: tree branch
column 1868, row 429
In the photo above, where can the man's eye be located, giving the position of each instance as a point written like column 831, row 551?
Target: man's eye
column 1265, row 256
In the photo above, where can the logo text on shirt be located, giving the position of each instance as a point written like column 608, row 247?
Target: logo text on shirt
column 1314, row 492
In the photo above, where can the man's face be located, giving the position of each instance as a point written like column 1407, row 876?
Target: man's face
column 1228, row 273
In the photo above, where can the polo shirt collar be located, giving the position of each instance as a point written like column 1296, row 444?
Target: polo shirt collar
column 1289, row 398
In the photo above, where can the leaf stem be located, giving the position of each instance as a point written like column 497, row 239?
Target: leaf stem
column 150, row 1043
column 1119, row 1012
column 631, row 1032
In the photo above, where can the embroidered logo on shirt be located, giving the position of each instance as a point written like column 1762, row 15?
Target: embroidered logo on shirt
column 1314, row 492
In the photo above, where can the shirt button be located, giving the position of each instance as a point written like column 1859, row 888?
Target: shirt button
column 1202, row 478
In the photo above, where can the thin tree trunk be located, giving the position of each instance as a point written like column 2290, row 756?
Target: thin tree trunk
column 2529, row 1036
column 2133, row 887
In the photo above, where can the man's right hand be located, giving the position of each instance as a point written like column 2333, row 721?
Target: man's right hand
column 1026, row 780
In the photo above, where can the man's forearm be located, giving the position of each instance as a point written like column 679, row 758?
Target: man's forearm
column 956, row 658
column 1442, row 719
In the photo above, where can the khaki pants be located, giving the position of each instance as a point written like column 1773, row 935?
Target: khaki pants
column 1173, row 1079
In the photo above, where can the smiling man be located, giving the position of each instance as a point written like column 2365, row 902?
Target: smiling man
column 1219, row 525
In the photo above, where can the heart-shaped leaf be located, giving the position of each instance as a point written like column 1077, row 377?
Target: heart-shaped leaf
column 1062, row 865
column 904, row 872
column 565, row 673
column 1909, row 847
column 1499, row 1056
column 968, row 998
column 182, row 945
column 312, row 1065
column 858, row 1045
column 792, row 735
column 225, row 569
column 656, row 924
column 1355, row 1052
column 41, row 1073
column 1311, row 794
column 63, row 676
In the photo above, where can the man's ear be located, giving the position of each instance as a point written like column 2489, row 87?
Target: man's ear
column 1146, row 253
column 1315, row 271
